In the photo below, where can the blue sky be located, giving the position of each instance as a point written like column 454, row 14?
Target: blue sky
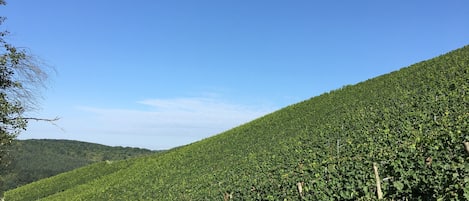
column 159, row 74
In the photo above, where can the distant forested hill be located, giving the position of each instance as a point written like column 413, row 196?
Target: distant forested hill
column 37, row 159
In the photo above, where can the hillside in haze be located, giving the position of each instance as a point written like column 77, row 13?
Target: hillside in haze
column 38, row 159
column 408, row 127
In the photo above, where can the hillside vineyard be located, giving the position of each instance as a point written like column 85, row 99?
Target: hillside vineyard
column 399, row 136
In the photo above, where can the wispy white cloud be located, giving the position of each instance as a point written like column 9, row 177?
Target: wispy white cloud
column 164, row 123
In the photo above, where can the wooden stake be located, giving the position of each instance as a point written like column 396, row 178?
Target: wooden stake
column 378, row 182
column 300, row 188
column 228, row 196
column 466, row 145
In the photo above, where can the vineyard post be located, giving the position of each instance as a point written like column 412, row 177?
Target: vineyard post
column 227, row 196
column 378, row 181
column 299, row 185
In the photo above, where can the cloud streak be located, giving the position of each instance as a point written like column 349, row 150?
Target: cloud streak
column 164, row 123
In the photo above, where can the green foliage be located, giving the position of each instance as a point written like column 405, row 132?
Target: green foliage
column 21, row 78
column 74, row 178
column 412, row 123
column 38, row 159
column 11, row 109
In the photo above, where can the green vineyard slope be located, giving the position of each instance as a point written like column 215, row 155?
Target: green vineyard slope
column 411, row 124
